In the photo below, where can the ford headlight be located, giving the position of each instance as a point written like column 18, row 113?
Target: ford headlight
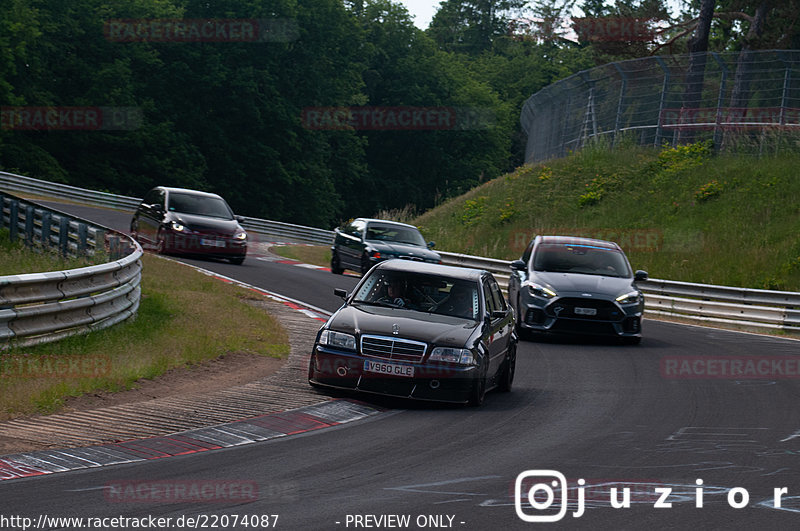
column 537, row 290
column 452, row 355
column 337, row 340
column 630, row 298
column 240, row 235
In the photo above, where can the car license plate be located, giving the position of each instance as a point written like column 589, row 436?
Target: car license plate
column 212, row 243
column 585, row 311
column 388, row 368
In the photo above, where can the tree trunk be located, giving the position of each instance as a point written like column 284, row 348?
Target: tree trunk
column 740, row 96
column 695, row 75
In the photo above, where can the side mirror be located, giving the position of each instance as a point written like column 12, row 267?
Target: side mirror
column 639, row 275
column 431, row 245
column 339, row 292
column 518, row 265
column 240, row 219
column 158, row 208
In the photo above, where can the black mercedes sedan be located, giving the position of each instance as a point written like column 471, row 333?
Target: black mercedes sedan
column 364, row 242
column 420, row 331
column 577, row 286
column 182, row 221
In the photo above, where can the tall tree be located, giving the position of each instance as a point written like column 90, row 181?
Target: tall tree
column 470, row 26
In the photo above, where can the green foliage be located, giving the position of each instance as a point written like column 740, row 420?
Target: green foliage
column 679, row 158
column 508, row 212
column 472, row 210
column 594, row 193
column 707, row 191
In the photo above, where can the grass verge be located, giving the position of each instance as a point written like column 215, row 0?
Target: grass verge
column 185, row 318
column 680, row 213
column 308, row 254
column 16, row 258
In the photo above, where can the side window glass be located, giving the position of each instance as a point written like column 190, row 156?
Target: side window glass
column 526, row 256
column 489, row 299
column 497, row 295
column 358, row 229
column 150, row 198
column 161, row 199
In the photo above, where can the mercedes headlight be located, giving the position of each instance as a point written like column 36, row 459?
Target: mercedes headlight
column 452, row 355
column 337, row 340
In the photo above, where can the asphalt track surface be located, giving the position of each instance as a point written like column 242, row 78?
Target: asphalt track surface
column 612, row 415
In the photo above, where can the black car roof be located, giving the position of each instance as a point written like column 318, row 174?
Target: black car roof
column 459, row 273
column 575, row 240
column 189, row 191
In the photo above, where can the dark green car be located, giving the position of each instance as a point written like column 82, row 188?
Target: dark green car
column 364, row 242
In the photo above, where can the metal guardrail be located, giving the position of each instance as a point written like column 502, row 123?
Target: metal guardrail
column 39, row 308
column 277, row 230
column 738, row 307
column 19, row 183
column 262, row 227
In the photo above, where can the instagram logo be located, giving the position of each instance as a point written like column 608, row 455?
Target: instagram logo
column 525, row 497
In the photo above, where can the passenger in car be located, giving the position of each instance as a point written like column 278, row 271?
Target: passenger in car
column 459, row 303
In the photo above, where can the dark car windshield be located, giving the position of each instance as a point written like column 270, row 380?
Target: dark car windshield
column 415, row 291
column 395, row 233
column 585, row 259
column 199, row 205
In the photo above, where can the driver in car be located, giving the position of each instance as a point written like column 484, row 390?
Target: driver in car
column 396, row 292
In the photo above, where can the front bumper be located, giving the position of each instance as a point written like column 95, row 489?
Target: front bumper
column 559, row 315
column 340, row 369
column 206, row 245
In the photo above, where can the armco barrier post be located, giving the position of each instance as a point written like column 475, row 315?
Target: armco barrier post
column 83, row 235
column 63, row 235
column 30, row 212
column 47, row 221
column 113, row 247
column 13, row 217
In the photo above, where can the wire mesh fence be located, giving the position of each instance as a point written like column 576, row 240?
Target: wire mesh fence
column 745, row 101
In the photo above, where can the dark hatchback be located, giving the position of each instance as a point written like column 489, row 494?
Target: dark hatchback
column 364, row 242
column 420, row 331
column 576, row 286
column 181, row 221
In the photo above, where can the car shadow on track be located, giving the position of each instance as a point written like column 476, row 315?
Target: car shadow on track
column 495, row 400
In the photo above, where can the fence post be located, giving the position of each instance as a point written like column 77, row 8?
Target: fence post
column 624, row 78
column 2, row 207
column 724, row 77
column 787, row 80
column 664, row 88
